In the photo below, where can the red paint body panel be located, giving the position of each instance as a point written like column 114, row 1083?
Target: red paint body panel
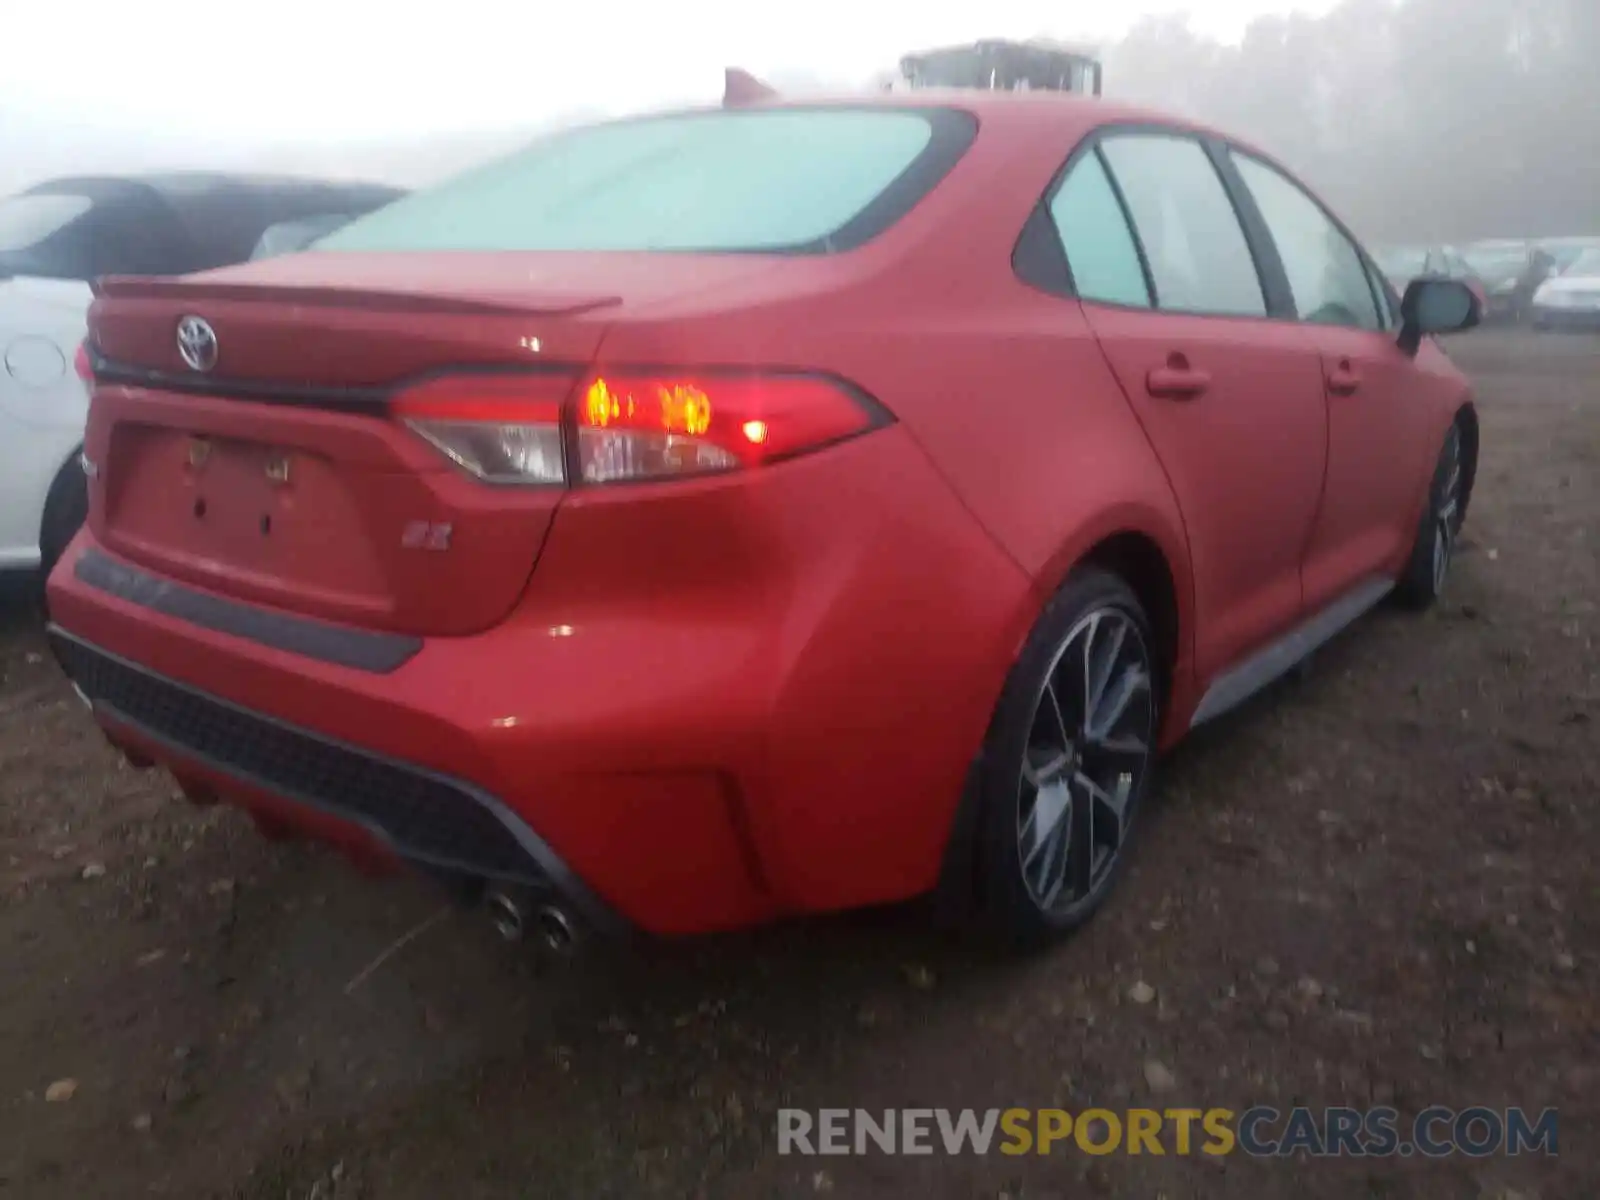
column 1382, row 439
column 724, row 699
column 1245, row 459
column 715, row 700
column 331, row 545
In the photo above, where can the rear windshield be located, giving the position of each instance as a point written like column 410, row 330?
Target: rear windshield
column 775, row 180
column 25, row 221
column 288, row 237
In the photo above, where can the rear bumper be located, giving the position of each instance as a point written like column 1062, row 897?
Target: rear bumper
column 371, row 804
column 678, row 734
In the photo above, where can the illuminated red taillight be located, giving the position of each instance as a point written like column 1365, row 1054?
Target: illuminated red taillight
column 81, row 364
column 628, row 425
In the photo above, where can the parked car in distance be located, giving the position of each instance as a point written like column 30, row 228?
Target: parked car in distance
column 1402, row 264
column 58, row 236
column 1512, row 271
column 1570, row 300
column 1503, row 271
column 1564, row 251
column 697, row 519
column 291, row 237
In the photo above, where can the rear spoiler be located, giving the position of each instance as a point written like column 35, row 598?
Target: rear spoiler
column 193, row 290
column 740, row 88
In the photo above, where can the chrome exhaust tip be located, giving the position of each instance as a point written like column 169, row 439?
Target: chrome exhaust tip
column 556, row 929
column 505, row 914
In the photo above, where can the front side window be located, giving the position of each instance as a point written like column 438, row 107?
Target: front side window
column 1199, row 259
column 1326, row 275
column 774, row 181
column 1101, row 252
column 1388, row 317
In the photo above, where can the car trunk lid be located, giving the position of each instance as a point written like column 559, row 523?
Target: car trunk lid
column 277, row 477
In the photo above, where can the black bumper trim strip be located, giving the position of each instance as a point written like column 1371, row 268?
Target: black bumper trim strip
column 361, row 649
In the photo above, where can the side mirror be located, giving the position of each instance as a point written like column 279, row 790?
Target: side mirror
column 1434, row 305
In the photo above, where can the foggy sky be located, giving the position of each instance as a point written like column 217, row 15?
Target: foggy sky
column 359, row 88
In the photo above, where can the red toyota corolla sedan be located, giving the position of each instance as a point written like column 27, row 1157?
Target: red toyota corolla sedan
column 707, row 517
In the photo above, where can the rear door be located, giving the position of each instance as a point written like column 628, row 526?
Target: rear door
column 1231, row 401
column 1380, row 426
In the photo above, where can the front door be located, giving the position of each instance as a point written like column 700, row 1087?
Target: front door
column 1375, row 426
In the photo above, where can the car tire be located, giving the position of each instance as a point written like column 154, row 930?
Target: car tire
column 1434, row 550
column 66, row 507
column 1072, row 742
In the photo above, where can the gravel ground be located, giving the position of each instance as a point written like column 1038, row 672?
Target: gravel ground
column 1375, row 885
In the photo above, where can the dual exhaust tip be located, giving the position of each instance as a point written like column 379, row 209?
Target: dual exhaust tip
column 515, row 920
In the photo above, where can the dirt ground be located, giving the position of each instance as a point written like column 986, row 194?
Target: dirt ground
column 1376, row 885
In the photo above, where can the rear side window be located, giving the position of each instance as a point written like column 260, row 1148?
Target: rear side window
column 1094, row 233
column 25, row 221
column 796, row 180
column 1199, row 259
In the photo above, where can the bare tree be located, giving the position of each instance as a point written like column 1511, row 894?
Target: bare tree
column 1420, row 119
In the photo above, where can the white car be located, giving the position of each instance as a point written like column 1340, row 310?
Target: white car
column 43, row 401
column 1570, row 300
column 57, row 236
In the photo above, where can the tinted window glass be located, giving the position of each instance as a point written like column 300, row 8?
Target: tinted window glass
column 1326, row 275
column 1100, row 247
column 290, row 237
column 1199, row 259
column 721, row 181
column 25, row 221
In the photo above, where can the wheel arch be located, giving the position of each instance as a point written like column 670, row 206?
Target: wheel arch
column 53, row 498
column 1139, row 547
column 1156, row 567
column 1137, row 559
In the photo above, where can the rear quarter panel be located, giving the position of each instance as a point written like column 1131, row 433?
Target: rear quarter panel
column 1004, row 388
